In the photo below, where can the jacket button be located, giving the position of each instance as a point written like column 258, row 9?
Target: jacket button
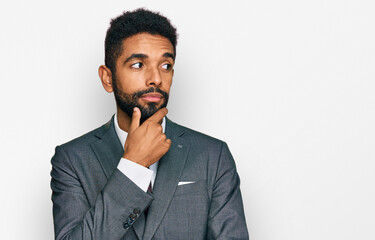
column 133, row 216
column 137, row 211
column 126, row 225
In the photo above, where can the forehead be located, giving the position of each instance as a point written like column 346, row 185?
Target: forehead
column 146, row 43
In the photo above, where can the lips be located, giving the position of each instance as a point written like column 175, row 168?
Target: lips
column 152, row 97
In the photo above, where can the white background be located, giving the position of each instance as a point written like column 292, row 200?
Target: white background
column 288, row 84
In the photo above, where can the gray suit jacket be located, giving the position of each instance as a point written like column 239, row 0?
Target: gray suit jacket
column 92, row 199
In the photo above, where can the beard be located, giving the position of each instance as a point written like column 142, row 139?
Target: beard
column 127, row 102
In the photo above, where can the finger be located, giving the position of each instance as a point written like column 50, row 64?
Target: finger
column 135, row 119
column 168, row 143
column 160, row 128
column 158, row 116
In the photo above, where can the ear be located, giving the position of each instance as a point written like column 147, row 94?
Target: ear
column 105, row 75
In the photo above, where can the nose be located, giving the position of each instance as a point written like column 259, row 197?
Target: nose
column 154, row 77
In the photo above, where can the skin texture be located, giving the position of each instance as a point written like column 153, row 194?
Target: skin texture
column 146, row 61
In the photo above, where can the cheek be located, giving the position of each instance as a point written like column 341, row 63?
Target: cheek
column 167, row 82
column 130, row 82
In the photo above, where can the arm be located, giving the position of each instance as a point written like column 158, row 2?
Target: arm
column 226, row 218
column 76, row 214
column 75, row 219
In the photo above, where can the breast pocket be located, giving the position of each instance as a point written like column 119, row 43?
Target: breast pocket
column 190, row 188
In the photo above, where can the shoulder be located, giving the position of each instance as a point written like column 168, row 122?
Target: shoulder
column 87, row 139
column 197, row 139
column 76, row 151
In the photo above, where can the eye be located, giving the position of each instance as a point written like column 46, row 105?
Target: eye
column 166, row 66
column 137, row 65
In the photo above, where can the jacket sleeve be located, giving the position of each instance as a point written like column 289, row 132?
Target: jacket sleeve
column 109, row 216
column 226, row 218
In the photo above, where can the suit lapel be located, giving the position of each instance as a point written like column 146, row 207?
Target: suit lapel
column 108, row 148
column 169, row 172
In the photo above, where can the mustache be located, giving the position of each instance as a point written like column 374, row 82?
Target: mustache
column 150, row 90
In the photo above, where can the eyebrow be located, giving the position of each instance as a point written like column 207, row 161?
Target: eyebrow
column 136, row 55
column 143, row 56
column 168, row 55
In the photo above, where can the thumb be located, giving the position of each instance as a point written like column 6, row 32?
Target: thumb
column 135, row 119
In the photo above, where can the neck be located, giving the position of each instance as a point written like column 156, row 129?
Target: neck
column 123, row 120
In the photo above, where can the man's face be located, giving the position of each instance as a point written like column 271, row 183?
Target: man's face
column 144, row 74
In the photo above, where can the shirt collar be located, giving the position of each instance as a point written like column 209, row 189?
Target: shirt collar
column 122, row 135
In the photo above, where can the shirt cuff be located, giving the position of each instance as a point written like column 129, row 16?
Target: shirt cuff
column 138, row 174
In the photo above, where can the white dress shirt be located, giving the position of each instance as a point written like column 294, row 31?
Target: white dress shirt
column 139, row 174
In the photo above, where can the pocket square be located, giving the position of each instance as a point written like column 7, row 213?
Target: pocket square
column 184, row 183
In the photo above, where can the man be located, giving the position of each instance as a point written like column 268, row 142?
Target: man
column 141, row 176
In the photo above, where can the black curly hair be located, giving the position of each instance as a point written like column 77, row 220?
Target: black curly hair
column 131, row 23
